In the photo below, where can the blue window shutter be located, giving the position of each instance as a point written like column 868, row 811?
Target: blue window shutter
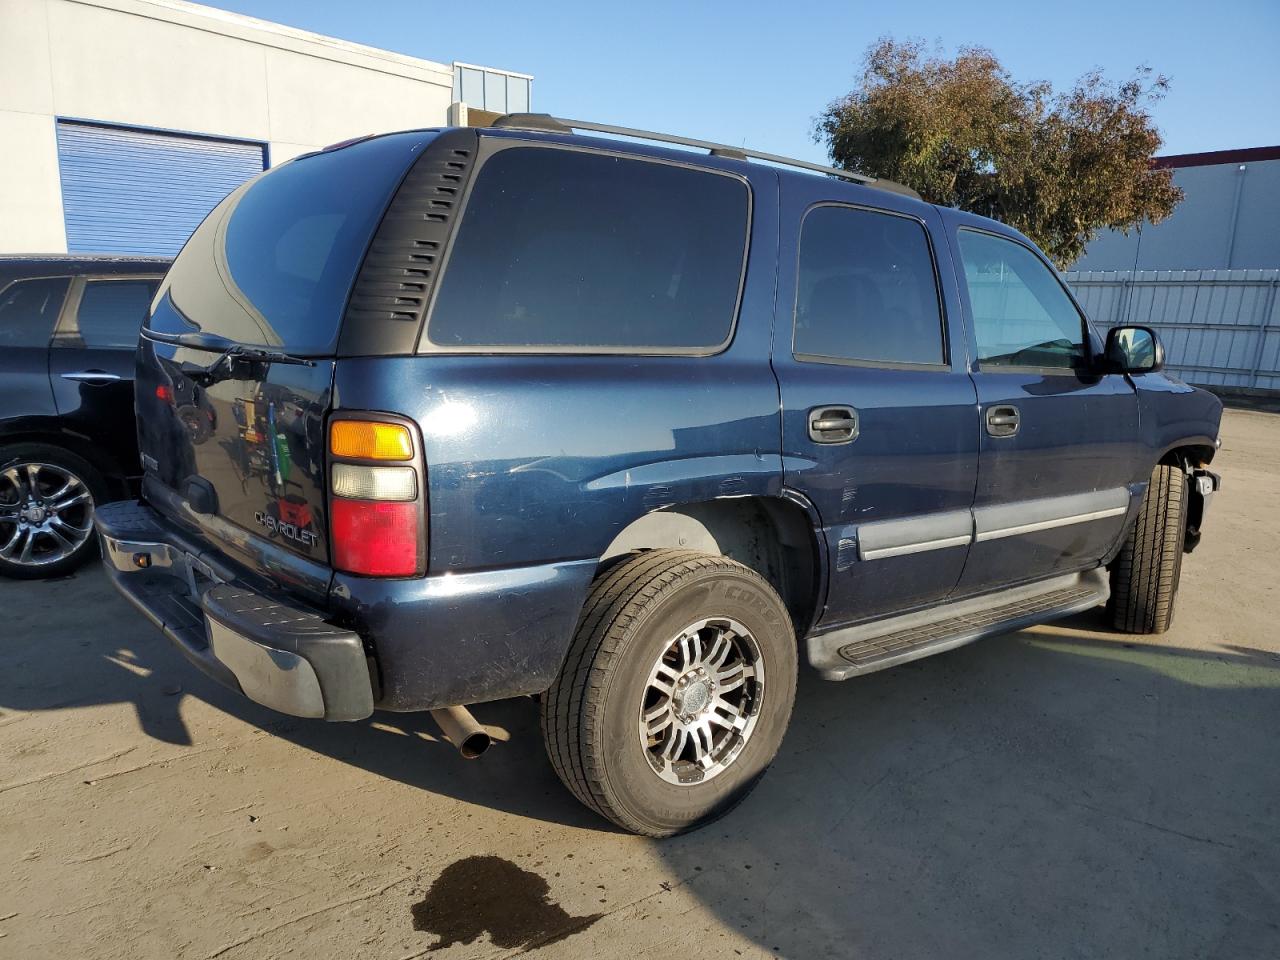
column 133, row 191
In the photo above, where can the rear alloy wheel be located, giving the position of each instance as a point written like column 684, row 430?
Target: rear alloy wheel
column 702, row 701
column 47, row 497
column 676, row 692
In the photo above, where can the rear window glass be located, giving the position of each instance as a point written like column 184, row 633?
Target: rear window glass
column 272, row 265
column 111, row 311
column 566, row 249
column 867, row 291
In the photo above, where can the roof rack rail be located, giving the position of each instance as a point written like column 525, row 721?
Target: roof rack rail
column 550, row 124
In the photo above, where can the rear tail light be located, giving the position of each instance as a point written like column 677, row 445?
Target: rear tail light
column 377, row 516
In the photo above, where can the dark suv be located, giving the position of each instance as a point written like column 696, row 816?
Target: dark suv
column 68, row 331
column 520, row 411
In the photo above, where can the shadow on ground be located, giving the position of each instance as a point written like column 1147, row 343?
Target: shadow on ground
column 1046, row 793
column 43, row 668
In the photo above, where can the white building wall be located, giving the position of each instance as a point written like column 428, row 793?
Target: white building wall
column 178, row 66
column 1227, row 220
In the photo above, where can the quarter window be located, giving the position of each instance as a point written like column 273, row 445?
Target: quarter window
column 28, row 311
column 867, row 291
column 1021, row 315
column 274, row 263
column 573, row 250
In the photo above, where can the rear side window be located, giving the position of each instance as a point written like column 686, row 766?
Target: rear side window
column 571, row 250
column 1021, row 315
column 272, row 265
column 866, row 289
column 110, row 313
column 28, row 311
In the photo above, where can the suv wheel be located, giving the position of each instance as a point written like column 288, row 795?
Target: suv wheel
column 1144, row 577
column 47, row 496
column 676, row 692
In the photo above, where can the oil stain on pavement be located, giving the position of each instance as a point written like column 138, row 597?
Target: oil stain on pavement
column 491, row 895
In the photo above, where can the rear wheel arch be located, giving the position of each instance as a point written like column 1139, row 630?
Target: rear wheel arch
column 113, row 473
column 773, row 536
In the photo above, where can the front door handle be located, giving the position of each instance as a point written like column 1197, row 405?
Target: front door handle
column 1002, row 421
column 92, row 376
column 833, row 424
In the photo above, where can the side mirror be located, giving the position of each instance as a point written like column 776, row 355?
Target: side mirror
column 1134, row 350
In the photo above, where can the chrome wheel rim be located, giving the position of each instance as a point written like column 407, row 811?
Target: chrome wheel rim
column 46, row 514
column 701, row 701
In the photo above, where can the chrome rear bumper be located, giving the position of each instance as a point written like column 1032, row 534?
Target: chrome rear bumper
column 278, row 653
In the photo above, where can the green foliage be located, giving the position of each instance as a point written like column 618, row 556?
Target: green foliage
column 1057, row 166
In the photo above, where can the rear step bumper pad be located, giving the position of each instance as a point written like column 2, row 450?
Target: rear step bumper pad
column 281, row 655
column 866, row 648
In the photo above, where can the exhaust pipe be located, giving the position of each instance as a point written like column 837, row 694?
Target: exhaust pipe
column 462, row 730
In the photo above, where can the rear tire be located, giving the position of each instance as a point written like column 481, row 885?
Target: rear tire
column 1145, row 575
column 651, row 621
column 46, row 525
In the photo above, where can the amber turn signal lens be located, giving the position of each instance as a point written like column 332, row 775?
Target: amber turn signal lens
column 369, row 440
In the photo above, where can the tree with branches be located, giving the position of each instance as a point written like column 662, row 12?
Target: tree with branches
column 963, row 133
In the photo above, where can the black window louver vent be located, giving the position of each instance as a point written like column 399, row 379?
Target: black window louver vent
column 393, row 288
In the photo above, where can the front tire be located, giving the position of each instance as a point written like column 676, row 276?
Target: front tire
column 1145, row 575
column 676, row 691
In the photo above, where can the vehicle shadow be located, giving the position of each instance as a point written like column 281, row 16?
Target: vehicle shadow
column 1042, row 793
column 45, row 665
column 1061, row 791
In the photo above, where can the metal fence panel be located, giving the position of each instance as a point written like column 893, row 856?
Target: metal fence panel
column 1220, row 327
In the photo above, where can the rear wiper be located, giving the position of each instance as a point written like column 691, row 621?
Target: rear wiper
column 231, row 358
column 196, row 338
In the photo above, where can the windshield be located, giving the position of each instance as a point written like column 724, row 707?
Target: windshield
column 273, row 263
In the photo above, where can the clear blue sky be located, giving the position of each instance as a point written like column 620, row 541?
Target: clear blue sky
column 758, row 72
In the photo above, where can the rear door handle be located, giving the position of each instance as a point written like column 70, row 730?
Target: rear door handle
column 92, row 376
column 833, row 424
column 1002, row 420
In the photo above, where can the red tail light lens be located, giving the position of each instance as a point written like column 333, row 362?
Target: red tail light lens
column 374, row 538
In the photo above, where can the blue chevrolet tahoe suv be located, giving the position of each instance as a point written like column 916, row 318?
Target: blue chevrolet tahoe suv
column 519, row 411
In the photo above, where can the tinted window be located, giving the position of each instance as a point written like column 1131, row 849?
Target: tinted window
column 111, row 311
column 866, row 289
column 274, row 262
column 571, row 249
column 28, row 311
column 1021, row 315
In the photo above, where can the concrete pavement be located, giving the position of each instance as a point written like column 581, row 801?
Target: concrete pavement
column 1060, row 792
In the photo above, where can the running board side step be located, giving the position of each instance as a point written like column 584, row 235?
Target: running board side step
column 869, row 647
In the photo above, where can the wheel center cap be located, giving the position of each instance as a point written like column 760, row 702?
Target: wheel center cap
column 696, row 696
column 693, row 693
column 33, row 513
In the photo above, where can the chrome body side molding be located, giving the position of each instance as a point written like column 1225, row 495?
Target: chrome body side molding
column 1030, row 516
column 956, row 528
column 896, row 538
